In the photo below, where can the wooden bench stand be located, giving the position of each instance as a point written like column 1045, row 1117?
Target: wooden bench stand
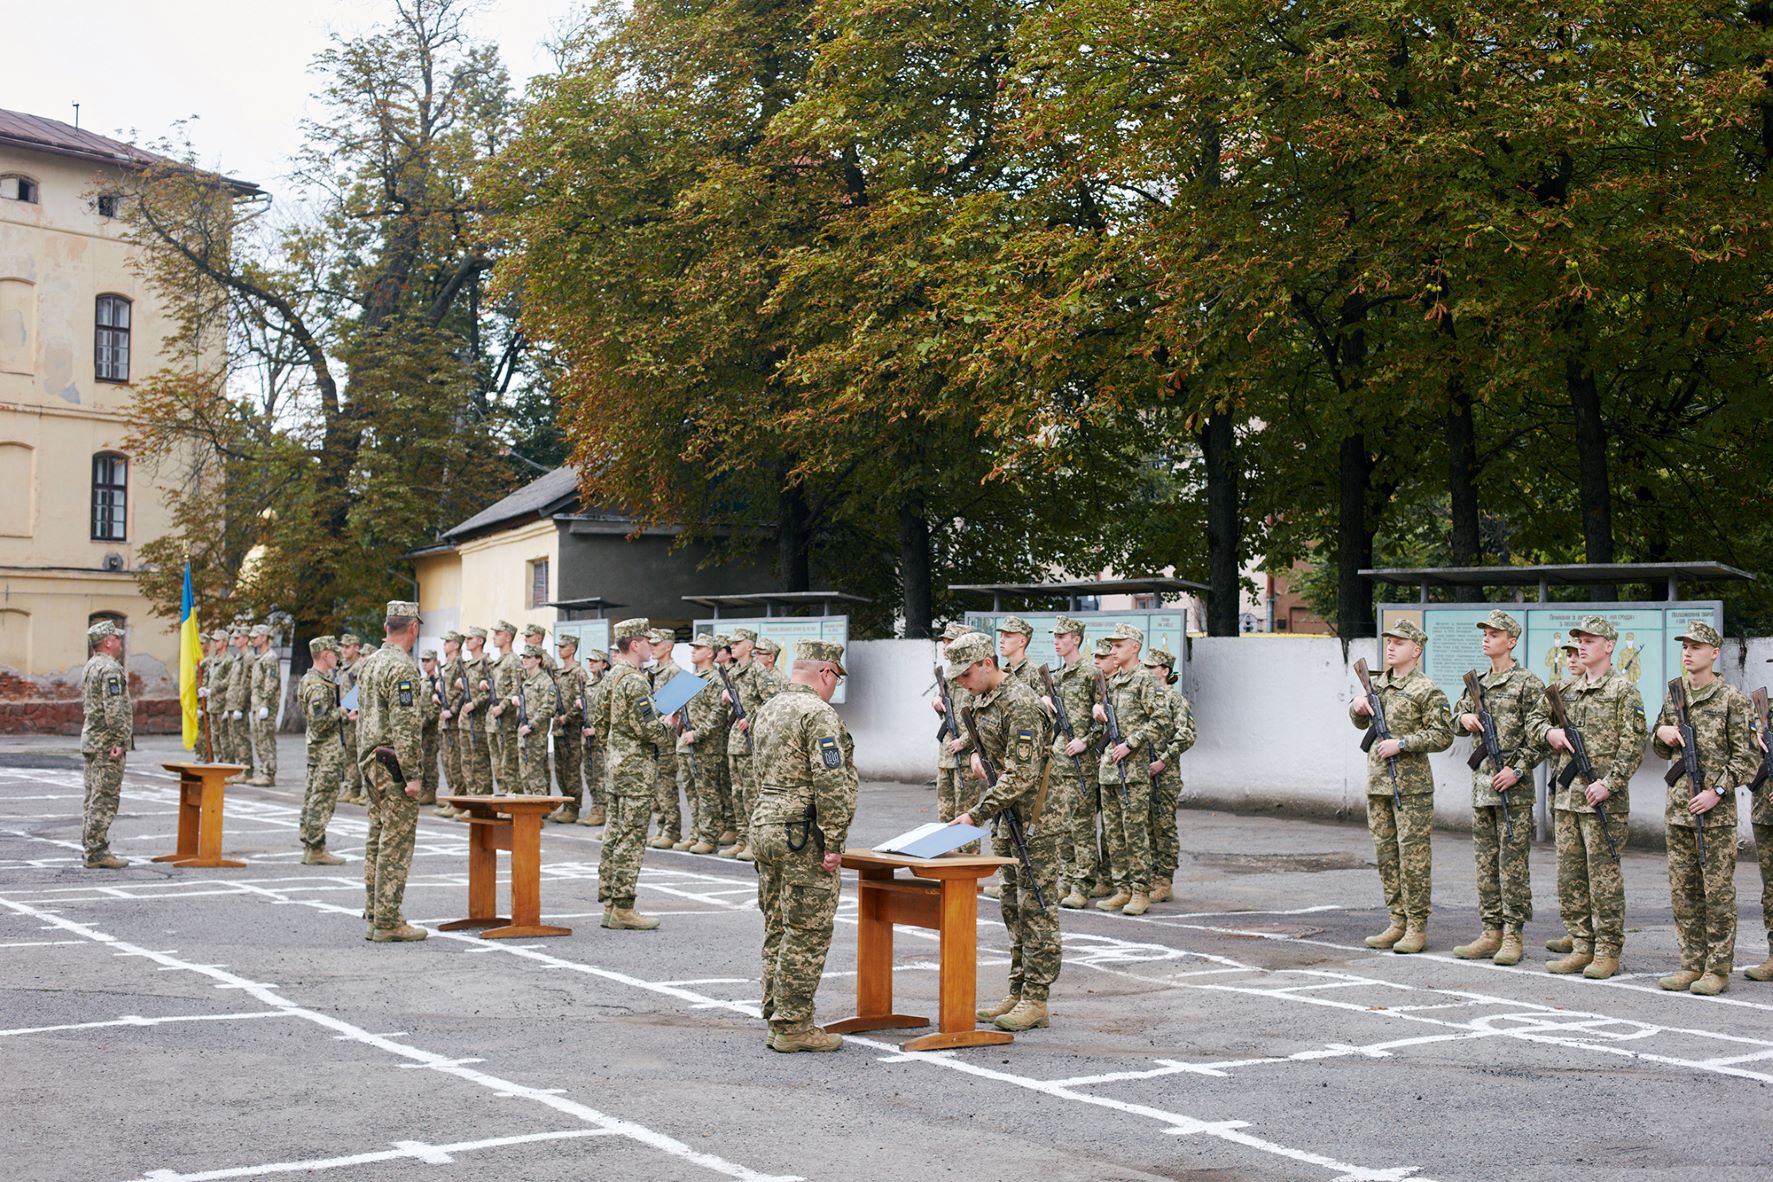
column 512, row 824
column 201, row 786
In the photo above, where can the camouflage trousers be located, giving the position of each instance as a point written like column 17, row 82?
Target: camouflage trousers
column 234, row 747
column 507, row 776
column 1166, row 842
column 353, row 773
column 476, row 749
column 569, row 765
column 264, row 742
column 533, row 773
column 451, row 740
column 1071, row 805
column 1034, row 930
column 666, row 804
column 709, row 792
column 1400, row 846
column 798, row 899
column 1704, row 896
column 326, row 764
column 738, row 766
column 1504, row 886
column 1764, row 848
column 387, row 855
column 597, row 776
column 104, row 788
column 631, row 790
column 956, row 790
column 1127, row 826
column 1591, row 887
column 430, row 747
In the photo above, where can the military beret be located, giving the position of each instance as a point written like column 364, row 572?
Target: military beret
column 968, row 651
column 350, row 638
column 429, row 654
column 766, row 645
column 102, row 629
column 634, row 629
column 1065, row 625
column 535, row 650
column 1104, row 647
column 705, row 640
column 452, row 634
column 1124, row 631
column 259, row 630
column 1160, row 655
column 662, row 636
column 477, row 632
column 566, row 638
column 597, row 654
column 535, row 630
column 1407, row 630
column 1502, row 622
column 1017, row 625
column 956, row 630
column 739, row 634
column 820, row 650
column 1595, row 626
column 505, row 626
column 1699, row 632
column 402, row 607
column 323, row 644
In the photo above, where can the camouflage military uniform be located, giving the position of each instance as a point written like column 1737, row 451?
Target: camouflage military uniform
column 453, row 734
column 209, row 724
column 1704, row 895
column 506, row 675
column 477, row 769
column 956, row 786
column 1762, row 819
column 667, row 807
column 756, row 685
column 388, row 714
column 239, row 698
column 806, row 798
column 109, row 722
column 711, row 799
column 1075, row 802
column 597, row 765
column 538, row 704
column 632, row 734
column 1166, row 789
column 347, row 679
column 1417, row 714
column 1140, row 712
column 267, row 697
column 569, row 741
column 1504, row 885
column 319, row 696
column 430, row 710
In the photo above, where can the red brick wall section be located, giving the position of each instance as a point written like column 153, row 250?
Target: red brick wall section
column 52, row 707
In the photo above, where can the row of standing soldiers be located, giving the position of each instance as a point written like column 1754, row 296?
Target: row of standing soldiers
column 239, row 692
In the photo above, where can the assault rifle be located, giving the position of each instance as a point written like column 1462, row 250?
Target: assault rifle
column 1377, row 730
column 1759, row 700
column 1579, row 764
column 1061, row 717
column 738, row 704
column 585, row 711
column 950, row 728
column 1488, row 746
column 1688, row 763
column 1115, row 738
column 1008, row 815
column 440, row 695
column 522, row 721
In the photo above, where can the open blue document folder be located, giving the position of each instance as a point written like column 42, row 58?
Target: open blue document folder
column 932, row 840
column 349, row 701
column 670, row 697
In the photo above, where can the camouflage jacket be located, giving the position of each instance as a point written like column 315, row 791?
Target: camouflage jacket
column 1609, row 713
column 574, row 683
column 1180, row 732
column 1728, row 757
column 633, row 731
column 430, row 699
column 452, row 672
column 1417, row 714
column 506, row 675
column 319, row 695
column 1028, row 673
column 239, row 695
column 1076, row 684
column 1512, row 697
column 1013, row 731
column 708, row 717
column 267, row 681
column 538, row 702
column 1143, row 721
column 944, row 757
column 388, row 708
column 478, row 671
column 110, row 717
column 805, row 757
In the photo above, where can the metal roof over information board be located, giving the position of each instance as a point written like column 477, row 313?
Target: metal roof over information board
column 1575, row 574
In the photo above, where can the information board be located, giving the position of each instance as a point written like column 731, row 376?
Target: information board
column 1162, row 629
column 1646, row 652
column 590, row 633
column 785, row 630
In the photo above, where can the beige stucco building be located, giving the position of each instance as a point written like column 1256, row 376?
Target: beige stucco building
column 77, row 330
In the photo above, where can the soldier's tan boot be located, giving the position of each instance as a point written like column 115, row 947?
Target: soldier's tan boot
column 663, row 841
column 1677, row 982
column 1604, row 965
column 398, row 935
column 1710, row 985
column 598, row 816
column 1100, row 890
column 626, row 919
column 727, row 837
column 1563, row 945
column 731, row 851
column 1160, row 890
column 320, row 856
column 1115, row 901
column 566, row 814
column 1390, row 936
column 812, row 1038
column 743, row 854
column 1139, row 904
column 1027, row 1015
column 1510, row 951
column 992, row 1013
column 106, row 861
column 1482, row 948
column 702, row 847
column 682, row 844
column 1073, row 900
column 993, row 890
column 1414, row 940
column 1580, row 956
column 1760, row 972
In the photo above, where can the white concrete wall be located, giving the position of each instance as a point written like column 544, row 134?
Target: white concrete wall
column 1272, row 713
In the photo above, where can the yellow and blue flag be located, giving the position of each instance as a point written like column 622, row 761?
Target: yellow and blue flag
column 190, row 655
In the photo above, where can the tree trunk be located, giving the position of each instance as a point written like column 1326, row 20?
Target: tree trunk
column 794, row 540
column 1591, row 459
column 1218, row 441
column 1462, row 464
column 1354, row 540
column 914, row 569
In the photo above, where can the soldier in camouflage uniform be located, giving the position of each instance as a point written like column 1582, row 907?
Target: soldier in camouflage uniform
column 1013, row 635
column 1012, row 731
column 476, row 718
column 1761, row 802
column 1128, row 823
column 703, row 738
column 209, row 732
column 1421, row 722
column 451, row 730
column 1607, row 710
column 534, row 721
column 389, row 696
column 430, row 718
column 954, row 786
column 569, row 731
column 756, row 686
column 806, row 799
column 351, row 658
column 319, row 696
column 1512, row 695
column 596, row 765
column 105, row 736
column 238, row 700
column 1072, row 768
column 506, row 675
column 1704, row 891
column 1567, row 842
column 667, row 807
column 633, row 732
column 1166, row 784
column 267, row 695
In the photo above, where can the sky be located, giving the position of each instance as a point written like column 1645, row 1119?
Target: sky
column 241, row 68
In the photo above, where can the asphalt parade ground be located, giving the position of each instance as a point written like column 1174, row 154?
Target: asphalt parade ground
column 170, row 1025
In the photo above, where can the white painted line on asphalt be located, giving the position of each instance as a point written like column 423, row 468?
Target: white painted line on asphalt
column 38, row 943
column 435, row 1155
column 137, row 1020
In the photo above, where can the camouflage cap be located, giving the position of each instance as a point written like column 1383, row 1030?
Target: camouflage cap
column 705, row 640
column 429, row 654
column 1017, row 625
column 536, row 651
column 236, row 630
column 820, row 650
column 1066, row 626
column 956, row 630
column 323, row 644
column 349, row 638
column 597, row 654
column 1407, row 630
column 566, row 638
column 452, row 634
column 1502, row 622
column 534, row 630
column 739, row 634
column 1699, row 632
column 1124, row 631
column 1159, row 655
column 635, row 629
column 504, row 626
column 219, row 634
column 662, row 636
column 1595, row 626
column 402, row 607
column 1104, row 647
column 766, row 645
column 1568, row 644
column 259, row 630
column 477, row 633
column 968, row 651
column 101, row 630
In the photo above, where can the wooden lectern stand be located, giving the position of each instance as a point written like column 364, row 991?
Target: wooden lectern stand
column 514, row 824
column 942, row 895
column 200, row 814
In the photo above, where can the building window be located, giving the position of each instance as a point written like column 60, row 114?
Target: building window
column 109, row 205
column 538, row 583
column 110, row 347
column 110, row 496
column 18, row 188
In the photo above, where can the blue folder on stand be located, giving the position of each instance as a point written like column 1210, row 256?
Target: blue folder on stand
column 932, row 840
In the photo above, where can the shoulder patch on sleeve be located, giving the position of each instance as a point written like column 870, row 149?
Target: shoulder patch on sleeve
column 830, row 752
column 113, row 685
column 1024, row 744
column 404, row 688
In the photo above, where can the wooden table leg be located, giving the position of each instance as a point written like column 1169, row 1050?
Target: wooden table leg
column 483, row 880
column 200, row 803
column 190, row 813
column 874, row 965
column 526, row 882
column 958, row 976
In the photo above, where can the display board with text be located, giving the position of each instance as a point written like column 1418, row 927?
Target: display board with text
column 785, row 630
column 590, row 633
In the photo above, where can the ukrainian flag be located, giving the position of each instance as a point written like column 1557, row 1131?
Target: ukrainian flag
column 190, row 655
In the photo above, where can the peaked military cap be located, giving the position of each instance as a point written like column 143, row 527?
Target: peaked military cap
column 259, row 630
column 1104, row 647
column 1017, row 625
column 739, row 634
column 505, row 626
column 1596, row 626
column 429, row 654
column 1159, row 655
column 477, row 632
column 452, row 634
column 323, row 644
column 1502, row 622
column 402, row 607
column 350, row 638
column 597, row 654
column 534, row 650
column 101, row 630
column 766, row 645
column 820, row 650
column 1125, row 631
column 956, row 630
column 968, row 651
column 1407, row 630
column 1699, row 632
column 634, row 629
column 1066, row 626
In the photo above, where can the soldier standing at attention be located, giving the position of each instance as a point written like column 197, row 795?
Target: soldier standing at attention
column 1704, row 890
column 104, row 741
column 704, row 738
column 267, row 694
column 319, row 695
column 506, row 676
column 1512, row 695
column 215, row 648
column 597, row 766
column 238, row 701
column 768, row 651
column 451, row 732
column 1420, row 721
column 634, row 732
column 1111, row 863
column 1761, row 818
column 806, row 798
column 1128, row 824
column 569, row 728
column 666, row 808
column 1608, row 711
column 1013, row 635
column 476, row 719
column 389, row 694
column 755, row 687
column 1567, row 841
column 536, row 693
column 350, row 664
column 1013, row 731
column 537, row 635
column 1166, row 785
column 430, row 716
column 953, row 788
column 1073, row 799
